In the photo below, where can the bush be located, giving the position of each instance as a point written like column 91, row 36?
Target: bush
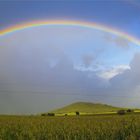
column 121, row 112
column 77, row 113
column 43, row 114
column 51, row 114
column 130, row 110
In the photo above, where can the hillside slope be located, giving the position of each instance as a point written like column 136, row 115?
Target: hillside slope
column 86, row 107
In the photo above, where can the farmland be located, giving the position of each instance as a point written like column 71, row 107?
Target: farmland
column 92, row 127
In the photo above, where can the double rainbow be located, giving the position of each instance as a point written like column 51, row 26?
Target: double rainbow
column 91, row 25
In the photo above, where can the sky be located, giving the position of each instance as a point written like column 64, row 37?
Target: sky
column 47, row 67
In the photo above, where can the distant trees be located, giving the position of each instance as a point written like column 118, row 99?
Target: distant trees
column 122, row 112
column 48, row 114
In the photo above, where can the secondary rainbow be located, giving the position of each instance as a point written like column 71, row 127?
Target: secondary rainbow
column 92, row 25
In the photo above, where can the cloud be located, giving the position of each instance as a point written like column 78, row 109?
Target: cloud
column 121, row 42
column 110, row 73
column 64, row 81
column 37, row 68
column 129, row 78
column 118, row 40
column 88, row 59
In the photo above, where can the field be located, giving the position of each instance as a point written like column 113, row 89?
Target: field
column 97, row 127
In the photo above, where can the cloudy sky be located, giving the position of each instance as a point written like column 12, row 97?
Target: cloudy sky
column 46, row 67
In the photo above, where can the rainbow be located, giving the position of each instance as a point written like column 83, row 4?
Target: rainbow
column 92, row 25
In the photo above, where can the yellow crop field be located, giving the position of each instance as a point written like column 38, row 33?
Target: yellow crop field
column 99, row 127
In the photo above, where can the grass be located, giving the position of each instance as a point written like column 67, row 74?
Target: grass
column 95, row 122
column 100, row 127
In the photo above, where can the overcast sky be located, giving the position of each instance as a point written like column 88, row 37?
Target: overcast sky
column 47, row 67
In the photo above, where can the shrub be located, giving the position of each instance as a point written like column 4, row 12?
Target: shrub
column 43, row 114
column 77, row 113
column 121, row 112
column 51, row 114
column 130, row 110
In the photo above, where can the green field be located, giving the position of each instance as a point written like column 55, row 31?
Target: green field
column 95, row 122
column 99, row 127
column 86, row 107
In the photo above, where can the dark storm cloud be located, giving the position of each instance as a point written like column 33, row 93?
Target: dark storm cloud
column 35, row 70
column 64, row 80
column 129, row 79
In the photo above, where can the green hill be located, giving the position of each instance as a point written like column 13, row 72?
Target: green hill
column 86, row 107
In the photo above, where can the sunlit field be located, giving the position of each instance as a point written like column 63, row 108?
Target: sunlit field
column 99, row 127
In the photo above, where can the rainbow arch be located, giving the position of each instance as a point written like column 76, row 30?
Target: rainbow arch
column 92, row 25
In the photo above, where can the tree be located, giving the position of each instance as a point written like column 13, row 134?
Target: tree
column 77, row 113
column 130, row 110
column 66, row 114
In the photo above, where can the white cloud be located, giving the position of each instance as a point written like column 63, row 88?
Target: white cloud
column 110, row 73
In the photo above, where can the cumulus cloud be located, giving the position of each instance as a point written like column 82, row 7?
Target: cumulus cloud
column 130, row 77
column 110, row 73
column 33, row 69
column 63, row 79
